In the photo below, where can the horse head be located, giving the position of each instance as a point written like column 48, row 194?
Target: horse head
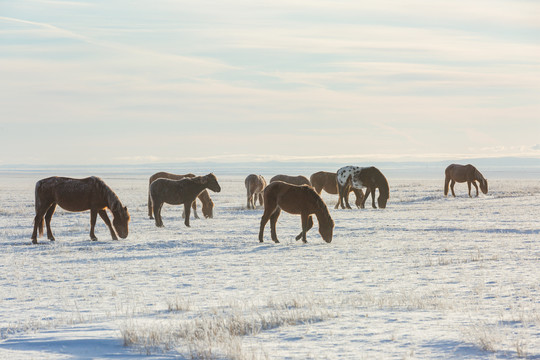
column 382, row 200
column 484, row 185
column 208, row 208
column 327, row 231
column 326, row 226
column 121, row 220
column 212, row 183
column 481, row 180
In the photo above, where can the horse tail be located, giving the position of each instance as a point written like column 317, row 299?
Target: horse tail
column 446, row 183
column 38, row 206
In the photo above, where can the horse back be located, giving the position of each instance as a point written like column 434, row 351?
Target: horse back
column 294, row 180
column 72, row 194
column 460, row 173
column 294, row 199
column 324, row 180
column 166, row 175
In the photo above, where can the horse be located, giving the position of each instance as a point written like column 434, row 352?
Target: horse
column 327, row 181
column 295, row 180
column 358, row 177
column 177, row 192
column 207, row 204
column 79, row 195
column 295, row 199
column 255, row 185
column 461, row 173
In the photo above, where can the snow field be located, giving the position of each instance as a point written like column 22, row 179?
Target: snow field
column 427, row 277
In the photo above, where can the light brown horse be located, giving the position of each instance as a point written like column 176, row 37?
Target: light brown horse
column 295, row 180
column 357, row 177
column 79, row 195
column 295, row 199
column 177, row 192
column 204, row 197
column 255, row 185
column 327, row 181
column 461, row 173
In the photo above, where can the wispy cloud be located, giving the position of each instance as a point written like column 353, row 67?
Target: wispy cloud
column 318, row 78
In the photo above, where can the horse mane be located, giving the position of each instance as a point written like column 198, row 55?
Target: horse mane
column 106, row 192
column 478, row 175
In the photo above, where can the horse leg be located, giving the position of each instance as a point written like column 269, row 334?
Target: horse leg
column 340, row 193
column 187, row 210
column 359, row 194
column 48, row 217
column 261, row 201
column 157, row 213
column 93, row 217
column 150, row 206
column 248, row 197
column 452, row 183
column 476, row 187
column 38, row 223
column 469, row 186
column 264, row 219
column 273, row 221
column 363, row 203
column 194, row 207
column 103, row 214
column 346, row 197
column 307, row 224
column 373, row 199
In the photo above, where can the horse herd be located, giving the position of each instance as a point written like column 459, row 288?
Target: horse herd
column 293, row 194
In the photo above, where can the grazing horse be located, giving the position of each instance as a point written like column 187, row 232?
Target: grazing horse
column 207, row 204
column 255, row 185
column 358, row 177
column 295, row 199
column 79, row 195
column 461, row 173
column 176, row 192
column 327, row 181
column 295, row 180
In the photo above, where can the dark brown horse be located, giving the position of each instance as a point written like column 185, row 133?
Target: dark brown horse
column 176, row 192
column 255, row 185
column 461, row 173
column 295, row 199
column 295, row 180
column 207, row 203
column 327, row 181
column 79, row 195
column 369, row 177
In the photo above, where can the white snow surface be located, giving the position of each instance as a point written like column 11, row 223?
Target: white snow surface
column 428, row 277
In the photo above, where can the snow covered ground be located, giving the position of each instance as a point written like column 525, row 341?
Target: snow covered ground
column 427, row 277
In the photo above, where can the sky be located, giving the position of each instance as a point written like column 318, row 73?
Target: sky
column 128, row 82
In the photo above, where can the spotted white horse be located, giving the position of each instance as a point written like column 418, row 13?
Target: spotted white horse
column 358, row 177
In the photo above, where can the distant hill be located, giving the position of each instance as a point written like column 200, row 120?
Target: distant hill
column 503, row 167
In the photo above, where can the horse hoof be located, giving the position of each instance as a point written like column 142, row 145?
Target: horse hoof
column 34, row 241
